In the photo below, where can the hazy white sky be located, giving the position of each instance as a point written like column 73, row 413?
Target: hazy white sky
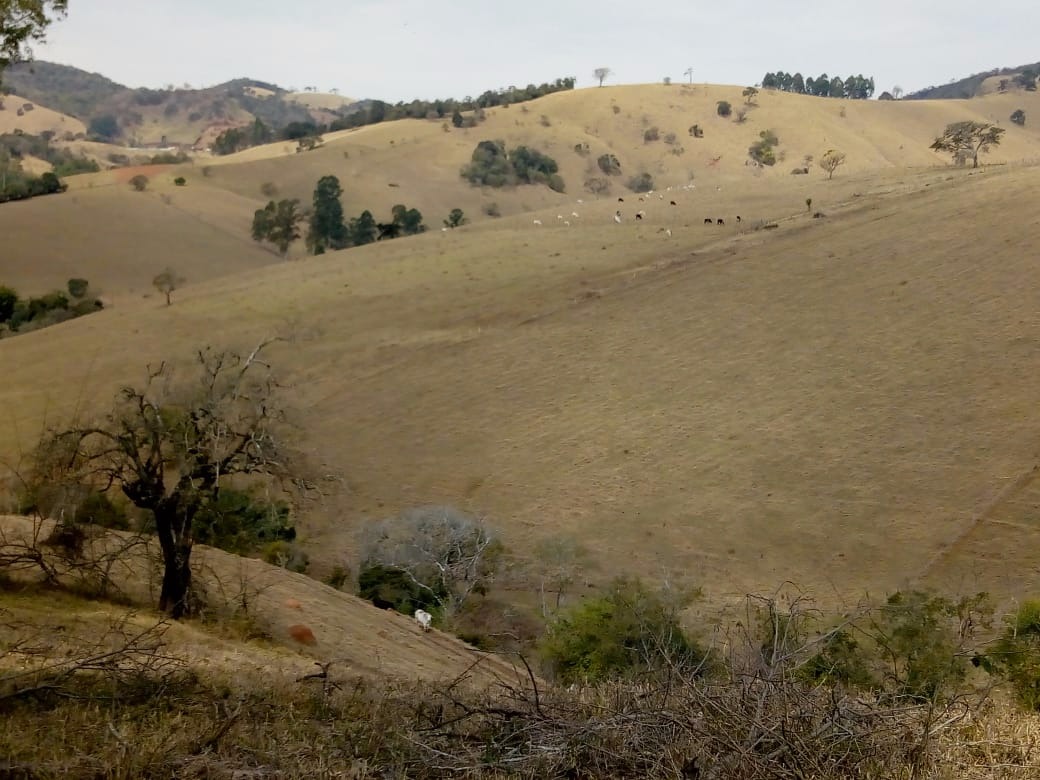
column 400, row 49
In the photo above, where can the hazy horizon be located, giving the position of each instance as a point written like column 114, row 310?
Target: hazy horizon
column 404, row 49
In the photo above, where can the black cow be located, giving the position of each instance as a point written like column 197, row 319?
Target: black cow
column 707, row 220
column 720, row 221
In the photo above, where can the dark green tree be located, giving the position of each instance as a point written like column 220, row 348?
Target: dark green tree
column 798, row 84
column 410, row 221
column 1019, row 117
column 723, row 108
column 363, row 229
column 455, row 219
column 278, row 223
column 327, row 228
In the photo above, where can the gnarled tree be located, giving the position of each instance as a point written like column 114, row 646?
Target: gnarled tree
column 831, row 161
column 169, row 452
column 966, row 140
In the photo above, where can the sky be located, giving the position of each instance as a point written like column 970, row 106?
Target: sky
column 403, row 49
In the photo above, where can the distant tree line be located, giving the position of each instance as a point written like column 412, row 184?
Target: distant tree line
column 238, row 138
column 279, row 222
column 378, row 111
column 853, row 88
column 23, row 314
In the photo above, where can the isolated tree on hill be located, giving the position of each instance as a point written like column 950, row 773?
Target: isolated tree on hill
column 23, row 23
column 327, row 228
column 723, row 108
column 600, row 74
column 168, row 281
column 455, row 219
column 831, row 161
column 897, row 92
column 278, row 223
column 749, row 93
column 966, row 140
column 170, row 453
column 1019, row 117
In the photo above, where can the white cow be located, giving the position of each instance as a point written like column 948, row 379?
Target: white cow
column 423, row 618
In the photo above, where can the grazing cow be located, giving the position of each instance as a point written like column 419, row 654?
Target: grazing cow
column 620, row 200
column 423, row 618
column 639, row 215
column 668, row 232
column 708, row 221
column 617, row 217
column 538, row 222
column 574, row 214
column 673, row 203
column 738, row 217
column 720, row 221
column 302, row 634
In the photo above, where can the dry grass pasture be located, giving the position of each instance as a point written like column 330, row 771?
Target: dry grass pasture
column 38, row 120
column 845, row 402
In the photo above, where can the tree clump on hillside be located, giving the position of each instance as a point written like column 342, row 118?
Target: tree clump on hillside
column 235, row 139
column 278, row 223
column 853, row 88
column 966, row 140
column 21, row 315
column 15, row 184
column 723, row 108
column 1027, row 79
column 139, row 182
column 492, row 166
column 456, row 218
column 831, row 161
column 762, row 151
column 642, row 182
column 1018, row 116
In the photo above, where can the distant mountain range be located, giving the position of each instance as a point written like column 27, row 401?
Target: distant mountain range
column 968, row 87
column 177, row 115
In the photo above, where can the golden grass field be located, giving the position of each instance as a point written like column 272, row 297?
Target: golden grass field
column 847, row 403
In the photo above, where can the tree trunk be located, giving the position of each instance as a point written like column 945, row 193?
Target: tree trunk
column 167, row 297
column 174, row 532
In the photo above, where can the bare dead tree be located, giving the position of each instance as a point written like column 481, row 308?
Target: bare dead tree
column 168, row 451
column 446, row 553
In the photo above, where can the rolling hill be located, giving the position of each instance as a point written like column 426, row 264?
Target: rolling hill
column 842, row 401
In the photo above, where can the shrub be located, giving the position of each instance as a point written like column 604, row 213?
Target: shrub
column 242, row 523
column 670, row 139
column 268, row 189
column 625, row 631
column 581, row 149
column 644, row 182
column 180, row 181
column 1017, row 653
column 338, row 577
column 532, row 166
column 98, row 509
column 139, row 182
column 609, row 164
column 556, row 183
column 696, row 132
column 492, row 210
column 1019, row 117
column 597, row 185
column 723, row 108
column 105, row 126
column 651, row 134
column 456, row 218
column 616, row 110
column 77, row 287
column 388, row 587
column 544, row 121
column 286, row 555
column 741, row 116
